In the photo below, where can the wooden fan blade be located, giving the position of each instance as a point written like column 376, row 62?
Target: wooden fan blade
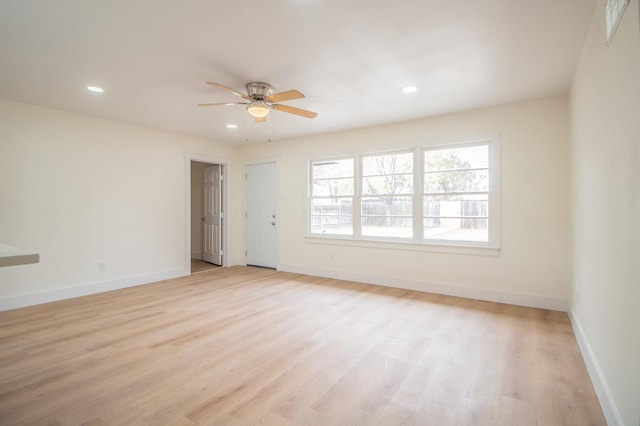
column 294, row 110
column 260, row 119
column 285, row 96
column 225, row 88
column 224, row 103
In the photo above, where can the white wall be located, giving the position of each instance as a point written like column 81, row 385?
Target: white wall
column 605, row 153
column 533, row 265
column 81, row 190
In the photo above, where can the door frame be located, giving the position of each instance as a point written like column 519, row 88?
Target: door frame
column 276, row 162
column 224, row 163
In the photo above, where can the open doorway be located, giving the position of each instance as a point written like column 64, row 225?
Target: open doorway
column 207, row 216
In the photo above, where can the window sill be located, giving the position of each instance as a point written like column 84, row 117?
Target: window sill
column 406, row 245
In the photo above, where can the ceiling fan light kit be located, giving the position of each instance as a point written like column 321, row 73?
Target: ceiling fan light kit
column 261, row 100
column 258, row 109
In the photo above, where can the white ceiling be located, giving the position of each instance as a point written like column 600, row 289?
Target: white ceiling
column 349, row 57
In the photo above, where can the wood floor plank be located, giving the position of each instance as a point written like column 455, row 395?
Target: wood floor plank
column 243, row 346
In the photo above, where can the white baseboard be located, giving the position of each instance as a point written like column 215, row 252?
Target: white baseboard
column 609, row 409
column 489, row 295
column 87, row 289
column 196, row 255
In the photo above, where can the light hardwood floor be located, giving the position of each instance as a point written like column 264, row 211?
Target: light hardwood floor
column 242, row 345
column 198, row 266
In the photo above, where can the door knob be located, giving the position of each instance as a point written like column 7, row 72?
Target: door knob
column 273, row 223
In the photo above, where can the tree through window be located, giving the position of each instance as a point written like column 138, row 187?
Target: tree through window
column 456, row 193
column 387, row 195
column 441, row 195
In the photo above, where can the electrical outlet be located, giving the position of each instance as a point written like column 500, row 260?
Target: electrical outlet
column 101, row 267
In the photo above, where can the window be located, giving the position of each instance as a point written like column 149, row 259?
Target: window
column 332, row 190
column 456, row 194
column 386, row 206
column 445, row 195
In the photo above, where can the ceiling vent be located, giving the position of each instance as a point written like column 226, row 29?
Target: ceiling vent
column 613, row 11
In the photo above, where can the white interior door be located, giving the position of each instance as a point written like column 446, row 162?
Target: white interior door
column 212, row 217
column 261, row 215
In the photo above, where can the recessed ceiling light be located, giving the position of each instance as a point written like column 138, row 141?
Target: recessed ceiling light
column 232, row 126
column 95, row 89
column 409, row 89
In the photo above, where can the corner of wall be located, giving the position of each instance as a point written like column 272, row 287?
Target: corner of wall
column 607, row 403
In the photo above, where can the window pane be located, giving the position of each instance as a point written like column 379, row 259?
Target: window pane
column 390, row 184
column 332, row 216
column 387, row 164
column 333, row 169
column 457, row 181
column 469, row 157
column 457, row 217
column 332, row 187
column 387, row 216
column 333, row 178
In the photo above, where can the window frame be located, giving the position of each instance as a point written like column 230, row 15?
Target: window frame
column 311, row 197
column 493, row 194
column 359, row 178
column 418, row 242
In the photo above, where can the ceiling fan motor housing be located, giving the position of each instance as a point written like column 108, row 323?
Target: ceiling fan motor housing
column 258, row 91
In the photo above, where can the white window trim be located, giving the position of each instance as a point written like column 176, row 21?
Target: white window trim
column 408, row 245
column 418, row 243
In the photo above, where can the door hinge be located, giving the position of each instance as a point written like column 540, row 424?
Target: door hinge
column 245, row 253
column 245, row 176
column 221, row 252
column 221, row 215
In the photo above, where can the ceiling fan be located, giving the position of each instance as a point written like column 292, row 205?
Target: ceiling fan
column 260, row 100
